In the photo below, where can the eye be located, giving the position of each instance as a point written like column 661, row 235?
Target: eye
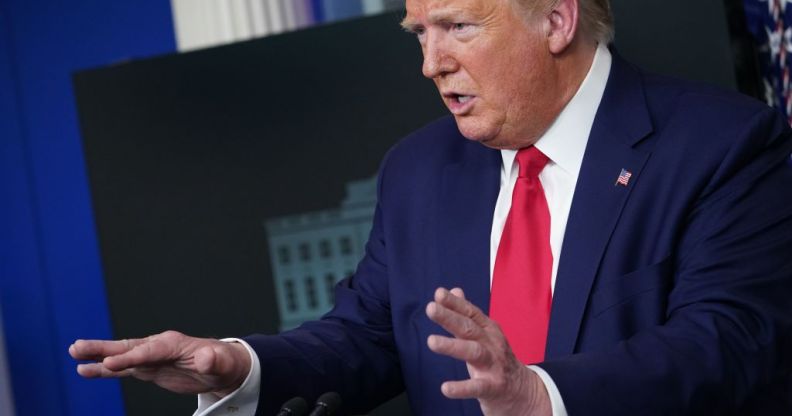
column 418, row 32
column 459, row 26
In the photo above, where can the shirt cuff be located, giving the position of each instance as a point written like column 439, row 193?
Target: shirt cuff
column 242, row 401
column 556, row 402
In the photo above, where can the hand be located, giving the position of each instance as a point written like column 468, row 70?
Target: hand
column 171, row 360
column 502, row 384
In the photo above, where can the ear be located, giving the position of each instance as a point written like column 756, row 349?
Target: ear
column 562, row 25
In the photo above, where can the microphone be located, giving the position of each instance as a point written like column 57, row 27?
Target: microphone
column 327, row 404
column 296, row 406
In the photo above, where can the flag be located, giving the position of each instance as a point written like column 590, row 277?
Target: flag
column 770, row 23
column 624, row 177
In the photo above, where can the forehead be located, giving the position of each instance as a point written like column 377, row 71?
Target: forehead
column 429, row 11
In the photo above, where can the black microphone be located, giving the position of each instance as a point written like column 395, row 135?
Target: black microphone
column 327, row 404
column 296, row 406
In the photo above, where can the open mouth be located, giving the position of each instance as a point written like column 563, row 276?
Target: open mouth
column 459, row 98
column 459, row 103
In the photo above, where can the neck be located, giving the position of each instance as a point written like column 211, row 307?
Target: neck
column 573, row 65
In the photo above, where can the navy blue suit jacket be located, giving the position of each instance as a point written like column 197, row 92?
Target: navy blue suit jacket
column 673, row 294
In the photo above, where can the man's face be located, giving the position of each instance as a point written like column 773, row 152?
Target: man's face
column 492, row 66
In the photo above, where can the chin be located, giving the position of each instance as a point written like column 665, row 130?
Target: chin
column 484, row 135
column 475, row 131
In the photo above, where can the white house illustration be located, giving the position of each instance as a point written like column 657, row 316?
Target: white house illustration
column 311, row 252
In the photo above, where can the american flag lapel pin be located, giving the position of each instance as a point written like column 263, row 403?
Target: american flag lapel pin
column 624, row 178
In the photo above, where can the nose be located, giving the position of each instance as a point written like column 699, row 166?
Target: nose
column 437, row 58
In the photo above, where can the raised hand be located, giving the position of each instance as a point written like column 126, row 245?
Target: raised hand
column 172, row 360
column 502, row 385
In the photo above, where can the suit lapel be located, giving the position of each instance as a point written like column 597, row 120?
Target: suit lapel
column 622, row 120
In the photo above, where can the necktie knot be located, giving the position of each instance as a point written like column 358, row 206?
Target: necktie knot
column 531, row 161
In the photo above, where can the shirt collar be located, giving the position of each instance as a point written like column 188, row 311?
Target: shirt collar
column 564, row 143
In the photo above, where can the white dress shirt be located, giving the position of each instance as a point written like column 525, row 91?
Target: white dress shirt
column 564, row 144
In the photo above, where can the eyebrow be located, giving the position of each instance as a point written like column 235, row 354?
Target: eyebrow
column 409, row 25
column 437, row 16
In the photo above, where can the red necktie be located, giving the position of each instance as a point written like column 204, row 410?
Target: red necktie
column 521, row 295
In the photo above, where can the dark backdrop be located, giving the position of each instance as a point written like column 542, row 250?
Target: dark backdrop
column 188, row 154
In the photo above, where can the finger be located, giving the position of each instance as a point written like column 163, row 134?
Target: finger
column 452, row 300
column 475, row 388
column 458, row 325
column 472, row 352
column 97, row 370
column 458, row 292
column 98, row 349
column 153, row 351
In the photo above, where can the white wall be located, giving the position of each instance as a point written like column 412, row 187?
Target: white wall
column 206, row 23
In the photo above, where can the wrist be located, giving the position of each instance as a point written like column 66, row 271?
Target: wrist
column 242, row 365
column 539, row 396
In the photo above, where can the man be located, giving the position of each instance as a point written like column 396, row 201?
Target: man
column 672, row 292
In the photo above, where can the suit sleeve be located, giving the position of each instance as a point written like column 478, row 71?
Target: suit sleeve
column 730, row 306
column 351, row 350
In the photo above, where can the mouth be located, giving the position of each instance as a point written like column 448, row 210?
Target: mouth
column 459, row 104
column 463, row 98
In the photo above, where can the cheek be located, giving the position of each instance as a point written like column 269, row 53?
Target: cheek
column 504, row 82
column 509, row 96
column 525, row 85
